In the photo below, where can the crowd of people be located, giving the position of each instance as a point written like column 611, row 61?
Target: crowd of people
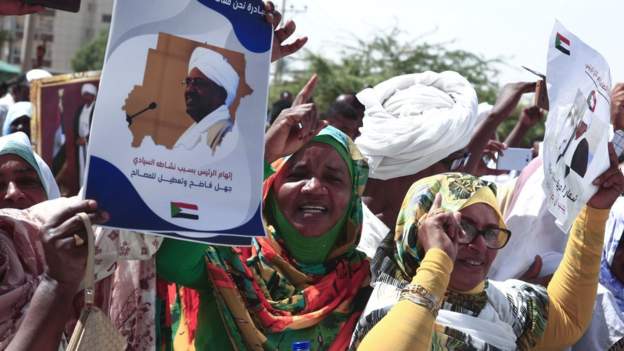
column 385, row 229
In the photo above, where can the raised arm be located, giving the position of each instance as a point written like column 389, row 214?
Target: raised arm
column 409, row 324
column 505, row 103
column 528, row 119
column 572, row 290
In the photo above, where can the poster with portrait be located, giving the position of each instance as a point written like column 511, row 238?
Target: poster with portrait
column 62, row 110
column 577, row 126
column 177, row 139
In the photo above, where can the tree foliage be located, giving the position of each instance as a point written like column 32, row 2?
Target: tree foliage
column 91, row 55
column 373, row 60
column 370, row 61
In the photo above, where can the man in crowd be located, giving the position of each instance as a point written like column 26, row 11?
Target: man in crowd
column 285, row 101
column 346, row 114
column 211, row 87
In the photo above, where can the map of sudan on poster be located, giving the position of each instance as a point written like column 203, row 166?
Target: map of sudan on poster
column 577, row 126
column 177, row 136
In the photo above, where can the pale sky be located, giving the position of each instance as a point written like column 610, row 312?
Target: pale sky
column 517, row 31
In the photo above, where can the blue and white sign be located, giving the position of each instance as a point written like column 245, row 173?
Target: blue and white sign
column 177, row 136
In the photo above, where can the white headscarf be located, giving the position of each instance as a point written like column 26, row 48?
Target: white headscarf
column 17, row 110
column 19, row 144
column 415, row 120
column 216, row 68
column 89, row 89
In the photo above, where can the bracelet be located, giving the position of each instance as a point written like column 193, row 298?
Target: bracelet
column 421, row 296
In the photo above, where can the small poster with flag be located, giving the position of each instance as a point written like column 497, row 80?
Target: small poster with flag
column 176, row 146
column 577, row 125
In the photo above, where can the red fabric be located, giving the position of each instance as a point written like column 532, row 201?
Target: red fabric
column 190, row 301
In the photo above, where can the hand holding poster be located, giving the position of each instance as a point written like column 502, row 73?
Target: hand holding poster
column 577, row 126
column 176, row 144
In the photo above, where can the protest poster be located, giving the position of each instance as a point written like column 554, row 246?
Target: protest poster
column 577, row 126
column 60, row 104
column 177, row 138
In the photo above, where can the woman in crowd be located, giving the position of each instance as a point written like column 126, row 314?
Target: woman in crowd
column 432, row 291
column 18, row 118
column 25, row 180
column 303, row 284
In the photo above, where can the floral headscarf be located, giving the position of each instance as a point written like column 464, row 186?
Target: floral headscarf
column 458, row 191
column 473, row 326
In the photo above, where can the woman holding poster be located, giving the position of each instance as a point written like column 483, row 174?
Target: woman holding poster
column 433, row 292
column 302, row 285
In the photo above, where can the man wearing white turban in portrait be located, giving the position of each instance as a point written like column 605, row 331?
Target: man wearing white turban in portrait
column 210, row 88
column 82, row 127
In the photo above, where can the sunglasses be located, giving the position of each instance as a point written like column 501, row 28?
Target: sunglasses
column 495, row 238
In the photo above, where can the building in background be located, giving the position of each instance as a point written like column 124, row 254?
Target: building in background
column 57, row 34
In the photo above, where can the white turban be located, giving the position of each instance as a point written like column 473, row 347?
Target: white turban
column 216, row 68
column 88, row 88
column 415, row 120
column 37, row 73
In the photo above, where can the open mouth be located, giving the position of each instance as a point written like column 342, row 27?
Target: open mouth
column 472, row 263
column 313, row 209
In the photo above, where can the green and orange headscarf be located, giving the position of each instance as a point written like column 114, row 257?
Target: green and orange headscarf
column 269, row 300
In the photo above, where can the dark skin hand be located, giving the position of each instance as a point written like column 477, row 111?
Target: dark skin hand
column 440, row 229
column 493, row 149
column 47, row 314
column 617, row 106
column 610, row 184
column 531, row 116
column 505, row 104
column 528, row 119
column 279, row 49
column 532, row 274
column 285, row 136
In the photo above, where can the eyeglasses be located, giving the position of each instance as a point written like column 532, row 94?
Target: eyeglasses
column 495, row 238
column 195, row 82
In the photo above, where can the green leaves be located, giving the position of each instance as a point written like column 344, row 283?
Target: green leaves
column 91, row 56
column 369, row 61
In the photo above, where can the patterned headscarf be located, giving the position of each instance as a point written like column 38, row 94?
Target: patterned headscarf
column 458, row 191
column 476, row 320
column 269, row 301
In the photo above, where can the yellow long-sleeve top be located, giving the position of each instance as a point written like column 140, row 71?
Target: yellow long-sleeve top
column 571, row 292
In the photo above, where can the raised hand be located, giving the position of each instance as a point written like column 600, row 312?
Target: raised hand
column 64, row 235
column 617, row 106
column 279, row 49
column 294, row 126
column 440, row 229
column 610, row 184
column 510, row 96
column 530, row 116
